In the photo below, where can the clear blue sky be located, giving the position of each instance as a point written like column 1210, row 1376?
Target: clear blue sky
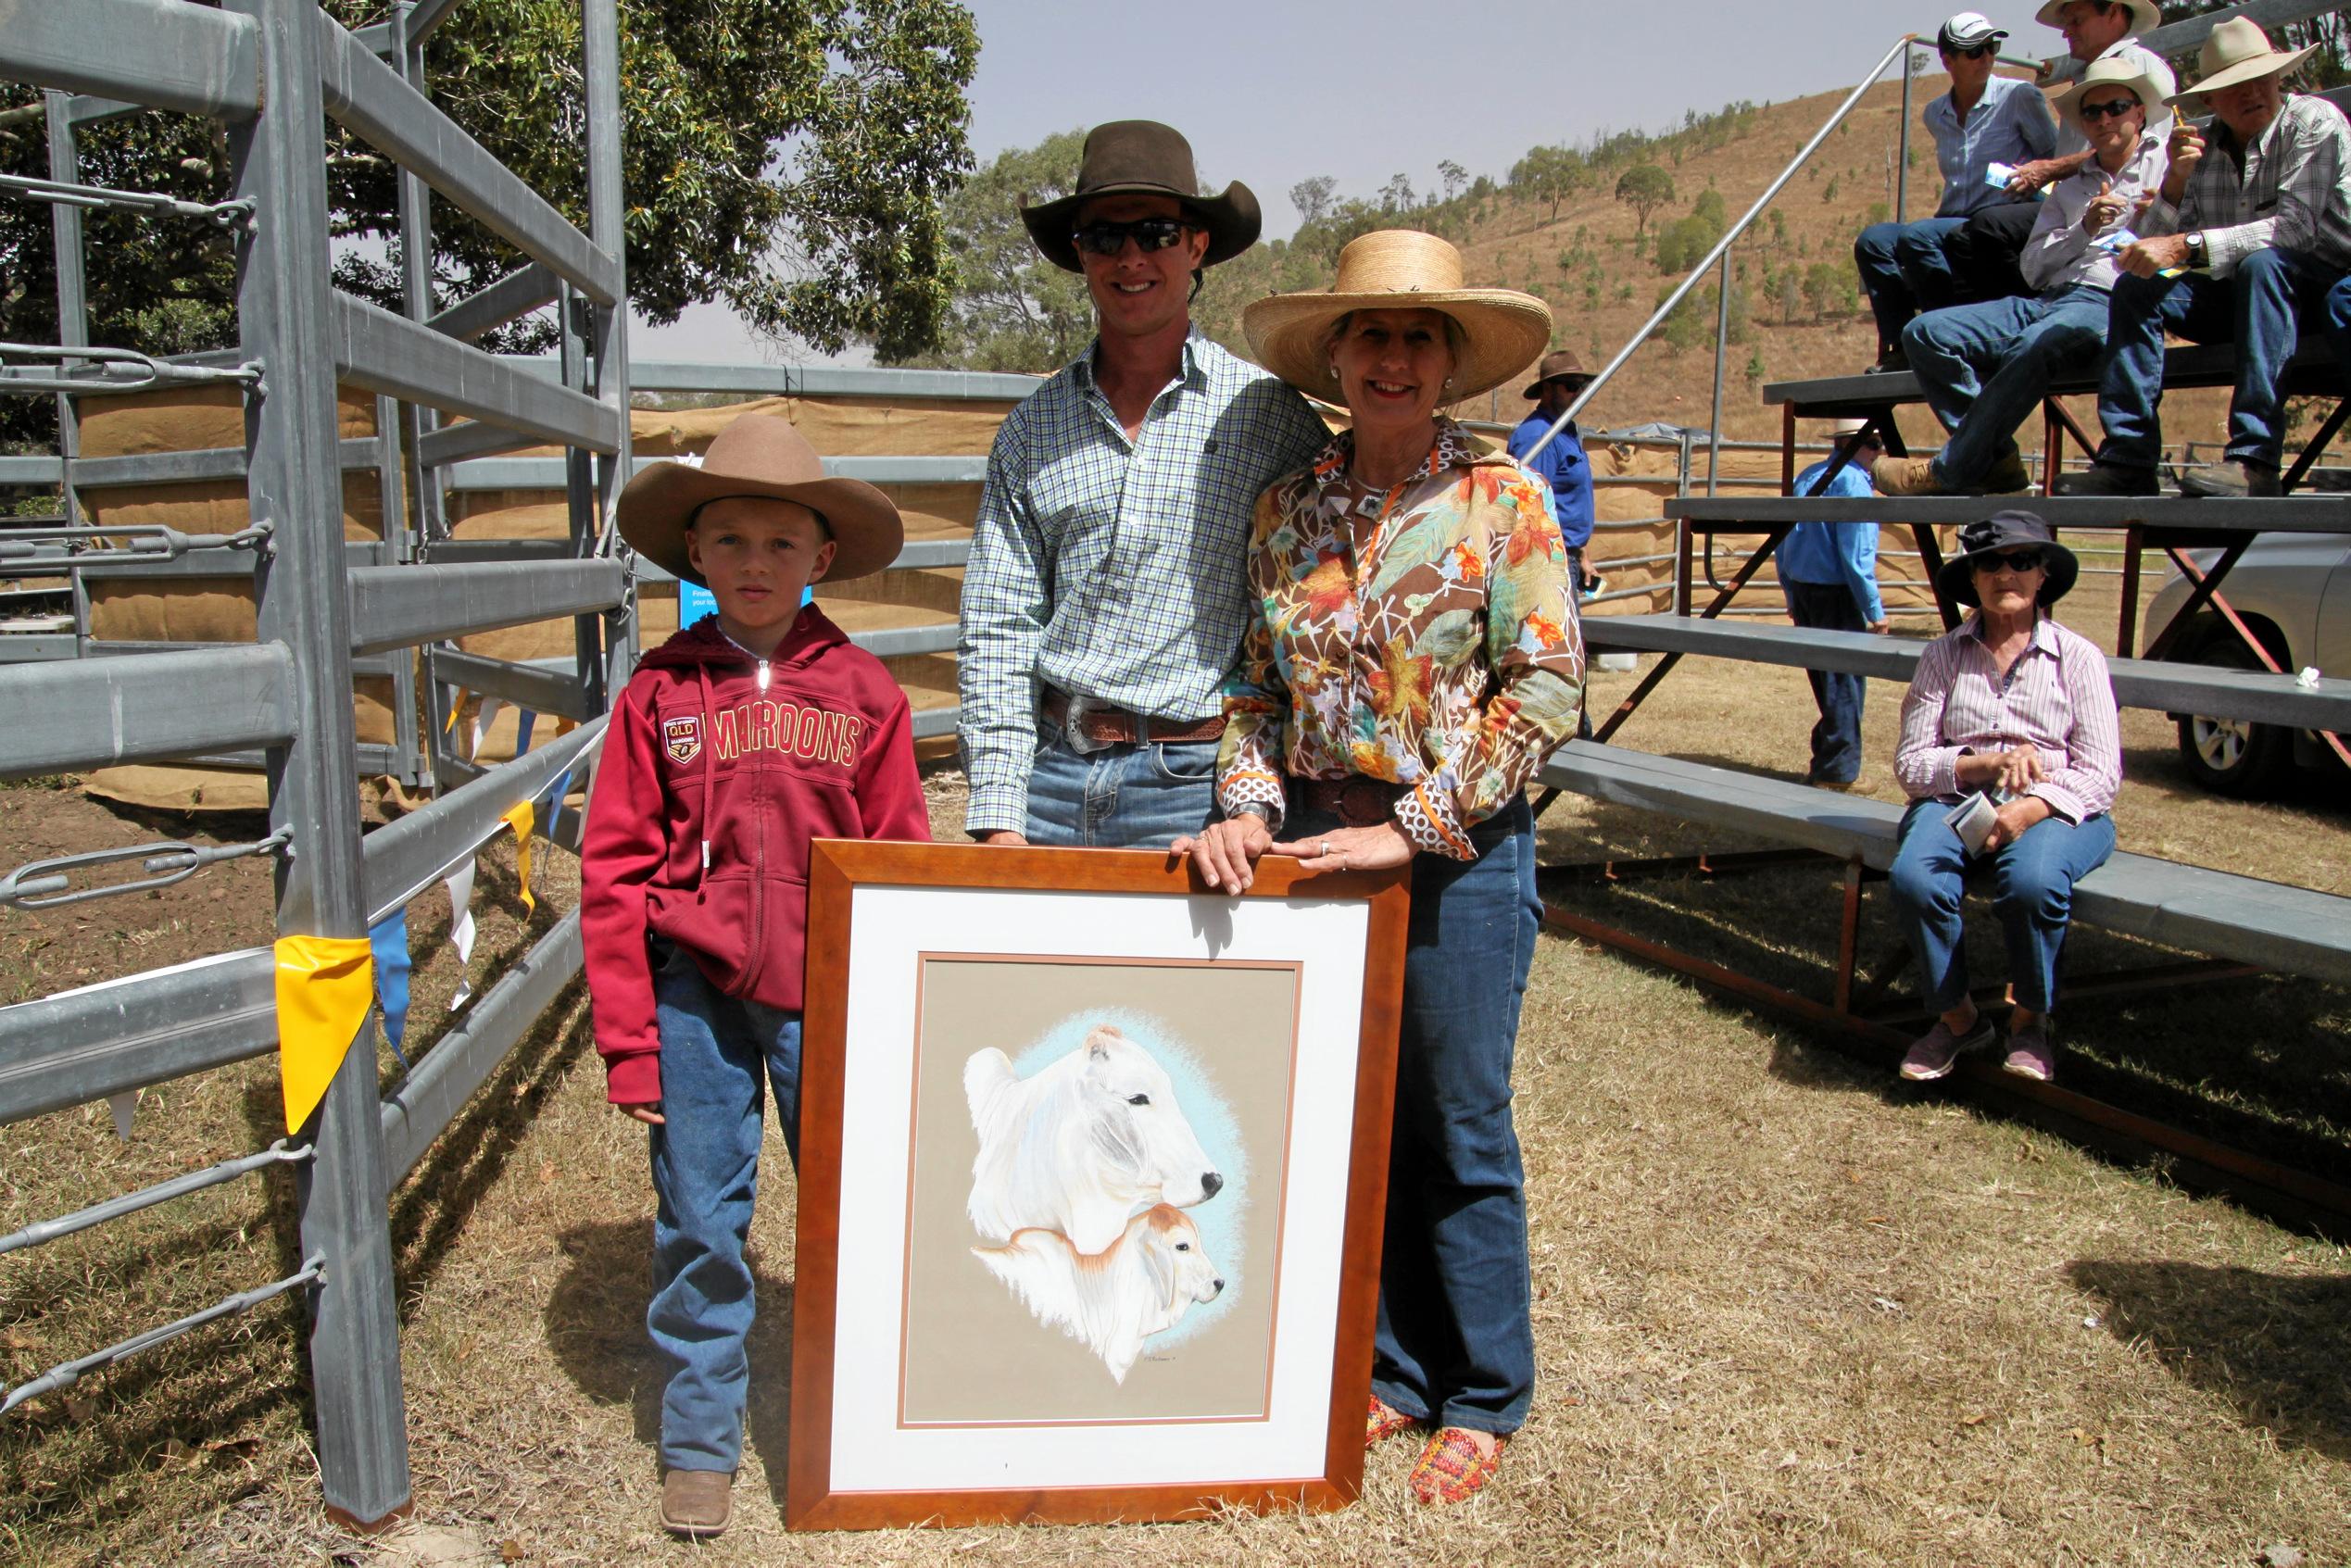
column 1271, row 93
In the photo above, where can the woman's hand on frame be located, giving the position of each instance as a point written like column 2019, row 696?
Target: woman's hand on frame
column 1353, row 849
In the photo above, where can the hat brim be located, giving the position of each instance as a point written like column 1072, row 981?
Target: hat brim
column 1507, row 332
column 2060, row 568
column 2276, row 63
column 2145, row 14
column 2067, row 103
column 1577, row 381
column 1233, row 220
column 656, row 507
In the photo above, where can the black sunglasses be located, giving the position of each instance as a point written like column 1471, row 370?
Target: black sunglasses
column 2015, row 560
column 1149, row 234
column 2118, row 107
column 1972, row 52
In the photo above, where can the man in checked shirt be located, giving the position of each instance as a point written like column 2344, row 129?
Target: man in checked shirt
column 1106, row 593
column 2249, row 231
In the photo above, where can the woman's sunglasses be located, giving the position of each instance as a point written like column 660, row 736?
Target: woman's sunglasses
column 2118, row 107
column 1149, row 234
column 2013, row 560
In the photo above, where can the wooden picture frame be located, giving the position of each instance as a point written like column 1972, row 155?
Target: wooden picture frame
column 957, row 1358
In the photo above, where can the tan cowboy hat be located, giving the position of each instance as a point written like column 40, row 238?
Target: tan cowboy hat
column 1398, row 270
column 1144, row 158
column 1560, row 364
column 2113, row 70
column 1843, row 428
column 758, row 455
column 2238, row 51
column 2145, row 15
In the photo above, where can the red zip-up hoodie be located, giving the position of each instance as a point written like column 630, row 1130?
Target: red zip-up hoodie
column 719, row 769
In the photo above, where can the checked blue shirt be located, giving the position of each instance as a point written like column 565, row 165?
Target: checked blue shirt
column 1111, row 570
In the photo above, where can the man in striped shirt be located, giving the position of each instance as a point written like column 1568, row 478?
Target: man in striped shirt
column 1107, row 590
column 2247, row 233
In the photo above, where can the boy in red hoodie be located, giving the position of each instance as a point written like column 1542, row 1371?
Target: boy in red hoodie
column 739, row 740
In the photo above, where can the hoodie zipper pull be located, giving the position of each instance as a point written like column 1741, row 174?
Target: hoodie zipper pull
column 762, row 674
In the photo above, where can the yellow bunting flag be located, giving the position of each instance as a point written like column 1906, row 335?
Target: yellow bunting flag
column 519, row 820
column 325, row 986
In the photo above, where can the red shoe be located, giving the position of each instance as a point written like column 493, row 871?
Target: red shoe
column 1452, row 1470
column 1384, row 1421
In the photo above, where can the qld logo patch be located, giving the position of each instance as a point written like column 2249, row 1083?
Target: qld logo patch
column 683, row 737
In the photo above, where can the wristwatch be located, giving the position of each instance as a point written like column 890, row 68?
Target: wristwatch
column 2198, row 255
column 1256, row 808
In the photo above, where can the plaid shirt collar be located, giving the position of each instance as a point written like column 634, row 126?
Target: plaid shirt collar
column 1194, row 375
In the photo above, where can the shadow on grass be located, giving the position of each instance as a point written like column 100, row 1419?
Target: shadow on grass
column 596, row 1326
column 2271, row 1344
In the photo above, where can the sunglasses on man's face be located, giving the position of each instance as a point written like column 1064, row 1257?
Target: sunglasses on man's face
column 1149, row 234
column 2118, row 107
column 1972, row 52
column 2011, row 560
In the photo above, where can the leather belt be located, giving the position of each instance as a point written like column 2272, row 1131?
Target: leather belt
column 1091, row 726
column 1356, row 801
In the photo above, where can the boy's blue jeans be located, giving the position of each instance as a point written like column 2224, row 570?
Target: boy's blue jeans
column 1985, row 368
column 717, row 1056
column 2031, row 894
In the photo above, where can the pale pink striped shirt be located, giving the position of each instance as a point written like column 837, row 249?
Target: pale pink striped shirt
column 2056, row 695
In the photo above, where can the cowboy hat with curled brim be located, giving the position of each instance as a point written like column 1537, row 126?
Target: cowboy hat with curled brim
column 1398, row 270
column 2145, row 16
column 1142, row 157
column 761, row 455
column 2000, row 532
column 1560, row 365
column 2113, row 70
column 2237, row 53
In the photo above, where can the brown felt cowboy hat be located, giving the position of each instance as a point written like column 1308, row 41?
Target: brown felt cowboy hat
column 2239, row 52
column 1143, row 157
column 758, row 455
column 1560, row 364
column 1398, row 270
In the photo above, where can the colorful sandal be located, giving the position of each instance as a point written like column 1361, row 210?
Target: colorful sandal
column 1384, row 1421
column 1452, row 1469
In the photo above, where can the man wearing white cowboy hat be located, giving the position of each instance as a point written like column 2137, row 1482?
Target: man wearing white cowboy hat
column 1828, row 575
column 1104, row 599
column 2244, row 239
column 1984, row 367
column 1981, row 120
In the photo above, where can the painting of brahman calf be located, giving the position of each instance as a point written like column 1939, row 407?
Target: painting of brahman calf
column 1113, row 1301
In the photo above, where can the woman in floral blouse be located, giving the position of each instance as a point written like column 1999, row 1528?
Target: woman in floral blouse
column 1413, row 654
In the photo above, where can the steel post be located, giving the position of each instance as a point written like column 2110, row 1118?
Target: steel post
column 600, row 51
column 73, row 324
column 285, row 310
column 1902, row 156
column 1722, row 347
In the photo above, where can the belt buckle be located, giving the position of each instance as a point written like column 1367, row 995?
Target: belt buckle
column 1073, row 728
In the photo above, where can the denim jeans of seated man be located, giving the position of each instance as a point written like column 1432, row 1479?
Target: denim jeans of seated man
column 1904, row 270
column 2032, row 896
column 1985, row 368
column 1454, row 1343
column 1142, row 796
column 1836, row 739
column 719, row 1056
column 2262, row 308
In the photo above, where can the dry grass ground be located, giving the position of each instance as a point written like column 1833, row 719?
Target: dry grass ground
column 1789, row 1312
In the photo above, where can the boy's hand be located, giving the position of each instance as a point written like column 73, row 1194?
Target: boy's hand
column 647, row 1113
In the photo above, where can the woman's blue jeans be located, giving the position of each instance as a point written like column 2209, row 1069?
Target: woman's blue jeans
column 718, row 1056
column 1455, row 1344
column 2032, row 895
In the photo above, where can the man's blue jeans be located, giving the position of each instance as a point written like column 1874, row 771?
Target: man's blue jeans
column 1836, row 739
column 1904, row 270
column 1121, row 797
column 2032, row 895
column 2261, row 308
column 1455, row 1344
column 1985, row 368
column 715, row 1052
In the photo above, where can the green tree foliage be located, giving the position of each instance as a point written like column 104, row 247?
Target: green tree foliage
column 1312, row 198
column 1831, row 290
column 1014, row 310
column 1646, row 188
column 1550, row 174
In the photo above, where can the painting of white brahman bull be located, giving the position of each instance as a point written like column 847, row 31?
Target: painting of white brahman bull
column 1111, row 1302
column 1079, row 1147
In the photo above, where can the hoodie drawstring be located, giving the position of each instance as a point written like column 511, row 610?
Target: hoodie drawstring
column 709, row 769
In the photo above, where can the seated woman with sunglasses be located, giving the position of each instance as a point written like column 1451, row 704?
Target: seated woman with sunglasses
column 2016, row 708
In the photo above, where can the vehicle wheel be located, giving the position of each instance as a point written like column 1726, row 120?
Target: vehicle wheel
column 2231, row 756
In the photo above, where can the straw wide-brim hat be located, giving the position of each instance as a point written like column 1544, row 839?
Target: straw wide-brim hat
column 2239, row 52
column 2112, row 70
column 1560, row 364
column 2145, row 15
column 758, row 455
column 2003, row 531
column 1142, row 157
column 1398, row 270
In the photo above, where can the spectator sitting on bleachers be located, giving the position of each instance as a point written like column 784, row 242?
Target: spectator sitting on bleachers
column 1981, row 120
column 2017, row 707
column 1984, row 367
column 2249, row 232
column 1984, row 255
column 1828, row 575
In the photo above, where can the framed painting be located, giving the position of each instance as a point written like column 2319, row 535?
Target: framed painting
column 1093, row 1166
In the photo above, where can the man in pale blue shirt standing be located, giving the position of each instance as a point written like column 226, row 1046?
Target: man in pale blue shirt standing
column 1828, row 574
column 1984, row 119
column 1107, row 590
column 1563, row 465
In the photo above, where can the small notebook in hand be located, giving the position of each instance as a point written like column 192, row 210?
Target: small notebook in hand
column 1972, row 820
